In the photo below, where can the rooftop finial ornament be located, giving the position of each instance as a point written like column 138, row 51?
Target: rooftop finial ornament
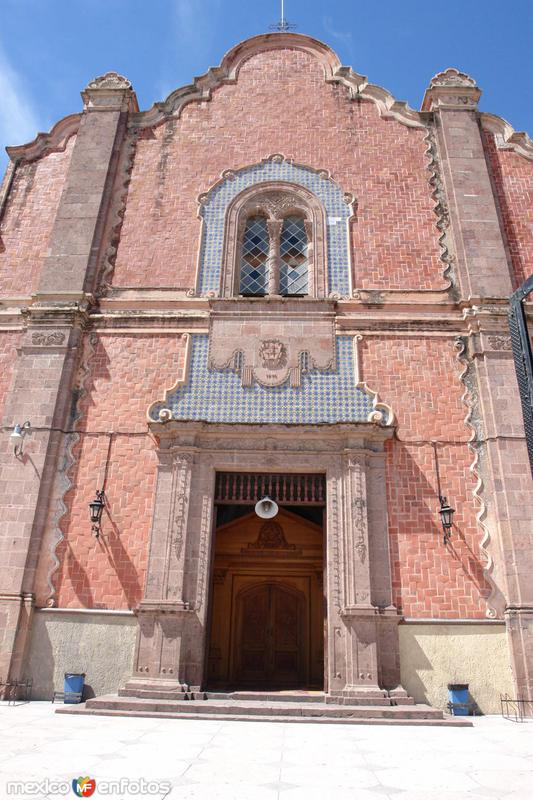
column 282, row 26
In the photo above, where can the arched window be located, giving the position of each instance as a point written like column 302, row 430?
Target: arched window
column 293, row 278
column 275, row 243
column 254, row 257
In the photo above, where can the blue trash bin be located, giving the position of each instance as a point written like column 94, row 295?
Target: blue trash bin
column 459, row 698
column 73, row 686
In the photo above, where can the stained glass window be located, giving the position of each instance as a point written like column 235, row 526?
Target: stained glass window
column 293, row 254
column 254, row 257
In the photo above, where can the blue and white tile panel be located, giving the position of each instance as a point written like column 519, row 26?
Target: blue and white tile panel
column 218, row 395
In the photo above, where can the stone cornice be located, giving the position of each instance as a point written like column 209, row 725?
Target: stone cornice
column 67, row 314
column 227, row 72
column 505, row 135
column 54, row 141
column 160, row 312
column 220, row 437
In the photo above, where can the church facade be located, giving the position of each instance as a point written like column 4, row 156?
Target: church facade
column 278, row 283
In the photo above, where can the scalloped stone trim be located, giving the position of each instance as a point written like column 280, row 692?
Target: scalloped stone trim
column 54, row 141
column 227, row 72
column 495, row 603
column 505, row 135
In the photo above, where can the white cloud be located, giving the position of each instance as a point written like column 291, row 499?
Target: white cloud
column 196, row 22
column 187, row 19
column 343, row 36
column 19, row 121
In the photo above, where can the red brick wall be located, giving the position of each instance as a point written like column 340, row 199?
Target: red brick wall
column 9, row 341
column 126, row 374
column 281, row 103
column 418, row 377
column 513, row 180
column 28, row 220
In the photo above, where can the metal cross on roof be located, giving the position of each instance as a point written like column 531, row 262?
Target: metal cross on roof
column 282, row 26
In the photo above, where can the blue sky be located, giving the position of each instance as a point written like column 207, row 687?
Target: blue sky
column 50, row 49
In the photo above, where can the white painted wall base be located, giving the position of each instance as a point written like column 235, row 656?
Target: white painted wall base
column 432, row 654
column 435, row 654
column 99, row 644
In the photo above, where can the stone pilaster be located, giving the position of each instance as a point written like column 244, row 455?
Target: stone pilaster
column 172, row 615
column 71, row 262
column 482, row 265
column 484, row 273
column 47, row 360
column 163, row 610
column 504, row 468
column 364, row 649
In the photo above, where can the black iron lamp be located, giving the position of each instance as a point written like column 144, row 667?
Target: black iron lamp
column 96, row 507
column 446, row 511
column 446, row 517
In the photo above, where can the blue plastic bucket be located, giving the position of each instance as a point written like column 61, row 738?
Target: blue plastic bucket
column 459, row 698
column 73, row 686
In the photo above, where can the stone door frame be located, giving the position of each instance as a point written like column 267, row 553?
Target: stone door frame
column 361, row 651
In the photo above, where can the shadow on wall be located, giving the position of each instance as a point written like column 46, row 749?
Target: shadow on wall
column 122, row 564
column 433, row 655
column 414, row 523
column 101, row 646
column 419, row 666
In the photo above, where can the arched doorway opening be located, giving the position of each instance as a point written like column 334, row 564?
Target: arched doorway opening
column 267, row 619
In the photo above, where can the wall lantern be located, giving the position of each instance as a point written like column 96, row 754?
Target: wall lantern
column 446, row 517
column 446, row 511
column 96, row 507
column 17, row 437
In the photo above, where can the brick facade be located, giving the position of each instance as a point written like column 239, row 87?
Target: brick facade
column 394, row 234
column 512, row 182
column 115, row 235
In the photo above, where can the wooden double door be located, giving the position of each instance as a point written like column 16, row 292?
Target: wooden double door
column 267, row 605
column 269, row 648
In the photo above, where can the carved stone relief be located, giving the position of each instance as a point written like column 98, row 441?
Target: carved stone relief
column 452, row 77
column 271, row 360
column 500, row 342
column 48, row 339
column 111, row 80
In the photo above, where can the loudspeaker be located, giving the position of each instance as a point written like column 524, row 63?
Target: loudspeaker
column 266, row 508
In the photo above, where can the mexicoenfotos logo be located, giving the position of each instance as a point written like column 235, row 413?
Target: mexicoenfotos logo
column 83, row 787
column 86, row 787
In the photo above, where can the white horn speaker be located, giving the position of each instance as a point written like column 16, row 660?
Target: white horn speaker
column 266, row 508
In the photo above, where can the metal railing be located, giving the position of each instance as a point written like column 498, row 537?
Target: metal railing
column 523, row 358
column 16, row 691
column 516, row 709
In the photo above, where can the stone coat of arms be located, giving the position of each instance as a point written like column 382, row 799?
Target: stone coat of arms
column 271, row 350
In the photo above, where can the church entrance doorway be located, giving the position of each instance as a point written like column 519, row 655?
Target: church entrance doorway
column 267, row 619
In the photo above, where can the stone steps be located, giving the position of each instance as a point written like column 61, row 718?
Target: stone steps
column 455, row 722
column 168, row 694
column 263, row 710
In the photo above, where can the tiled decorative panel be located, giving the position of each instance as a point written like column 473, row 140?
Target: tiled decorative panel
column 327, row 191
column 219, row 396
